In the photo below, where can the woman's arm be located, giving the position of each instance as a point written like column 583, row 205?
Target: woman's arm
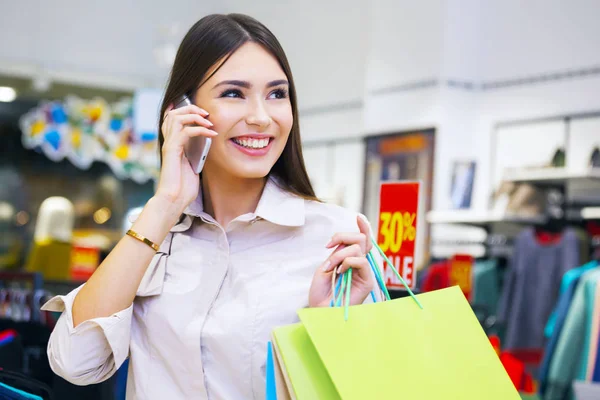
column 91, row 338
column 113, row 285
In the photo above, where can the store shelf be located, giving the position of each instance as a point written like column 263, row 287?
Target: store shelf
column 590, row 213
column 480, row 219
column 549, row 176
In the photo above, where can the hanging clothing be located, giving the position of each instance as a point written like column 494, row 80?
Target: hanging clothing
column 11, row 393
column 568, row 277
column 596, row 373
column 571, row 280
column 571, row 351
column 486, row 288
column 204, row 312
column 438, row 276
column 595, row 365
column 594, row 334
column 531, row 287
column 422, row 277
column 590, row 301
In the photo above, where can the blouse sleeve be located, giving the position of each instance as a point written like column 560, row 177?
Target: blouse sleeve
column 92, row 351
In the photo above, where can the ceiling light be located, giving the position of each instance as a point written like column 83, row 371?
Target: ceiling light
column 7, row 94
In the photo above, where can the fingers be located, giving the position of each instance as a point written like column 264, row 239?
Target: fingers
column 191, row 109
column 193, row 119
column 186, row 133
column 175, row 119
column 348, row 239
column 337, row 257
column 358, row 264
column 365, row 229
column 177, row 122
column 183, row 123
column 362, row 238
column 191, row 131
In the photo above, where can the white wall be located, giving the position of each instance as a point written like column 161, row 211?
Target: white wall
column 476, row 43
column 404, row 41
column 480, row 43
column 523, row 38
column 108, row 43
column 324, row 40
column 364, row 54
column 112, row 43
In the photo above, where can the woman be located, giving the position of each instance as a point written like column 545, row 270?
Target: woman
column 243, row 247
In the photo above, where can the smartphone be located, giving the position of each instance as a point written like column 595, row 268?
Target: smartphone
column 196, row 149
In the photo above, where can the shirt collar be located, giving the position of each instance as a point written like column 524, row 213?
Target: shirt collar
column 276, row 205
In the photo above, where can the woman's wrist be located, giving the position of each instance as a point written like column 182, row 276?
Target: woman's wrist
column 168, row 210
column 156, row 219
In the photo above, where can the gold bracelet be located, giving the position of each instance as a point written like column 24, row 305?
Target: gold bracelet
column 143, row 239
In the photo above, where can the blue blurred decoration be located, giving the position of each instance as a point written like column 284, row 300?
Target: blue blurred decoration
column 58, row 114
column 148, row 136
column 53, row 138
column 116, row 124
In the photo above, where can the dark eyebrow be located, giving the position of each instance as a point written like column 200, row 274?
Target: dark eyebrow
column 243, row 84
column 277, row 83
column 248, row 85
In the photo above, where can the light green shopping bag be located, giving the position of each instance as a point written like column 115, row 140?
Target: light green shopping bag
column 391, row 349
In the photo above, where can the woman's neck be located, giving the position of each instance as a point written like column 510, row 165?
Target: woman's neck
column 226, row 198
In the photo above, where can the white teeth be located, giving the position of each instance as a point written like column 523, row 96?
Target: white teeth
column 253, row 143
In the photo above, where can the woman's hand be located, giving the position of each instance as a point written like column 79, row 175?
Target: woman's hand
column 350, row 253
column 179, row 184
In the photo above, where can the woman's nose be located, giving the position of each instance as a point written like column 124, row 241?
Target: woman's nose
column 258, row 114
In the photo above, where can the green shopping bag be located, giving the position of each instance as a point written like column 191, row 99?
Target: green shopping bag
column 391, row 349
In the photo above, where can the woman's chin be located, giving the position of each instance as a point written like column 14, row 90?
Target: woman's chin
column 250, row 171
column 257, row 173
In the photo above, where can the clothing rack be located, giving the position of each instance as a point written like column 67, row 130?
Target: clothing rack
column 494, row 245
column 21, row 291
column 21, row 295
column 34, row 278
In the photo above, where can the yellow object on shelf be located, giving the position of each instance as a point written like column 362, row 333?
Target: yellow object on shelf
column 52, row 258
column 50, row 253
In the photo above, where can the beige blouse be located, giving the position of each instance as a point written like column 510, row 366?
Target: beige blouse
column 199, row 326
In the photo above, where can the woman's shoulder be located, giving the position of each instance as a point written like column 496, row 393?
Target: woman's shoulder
column 333, row 216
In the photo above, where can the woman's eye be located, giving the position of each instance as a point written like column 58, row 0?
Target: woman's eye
column 232, row 93
column 278, row 94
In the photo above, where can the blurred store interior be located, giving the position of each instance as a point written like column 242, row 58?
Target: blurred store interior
column 494, row 106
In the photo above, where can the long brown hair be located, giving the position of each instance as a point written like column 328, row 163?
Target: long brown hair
column 210, row 40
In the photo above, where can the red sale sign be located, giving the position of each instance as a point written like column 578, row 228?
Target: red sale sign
column 398, row 210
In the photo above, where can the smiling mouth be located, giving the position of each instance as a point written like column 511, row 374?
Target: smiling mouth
column 252, row 143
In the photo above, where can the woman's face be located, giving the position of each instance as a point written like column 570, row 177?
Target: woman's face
column 249, row 105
